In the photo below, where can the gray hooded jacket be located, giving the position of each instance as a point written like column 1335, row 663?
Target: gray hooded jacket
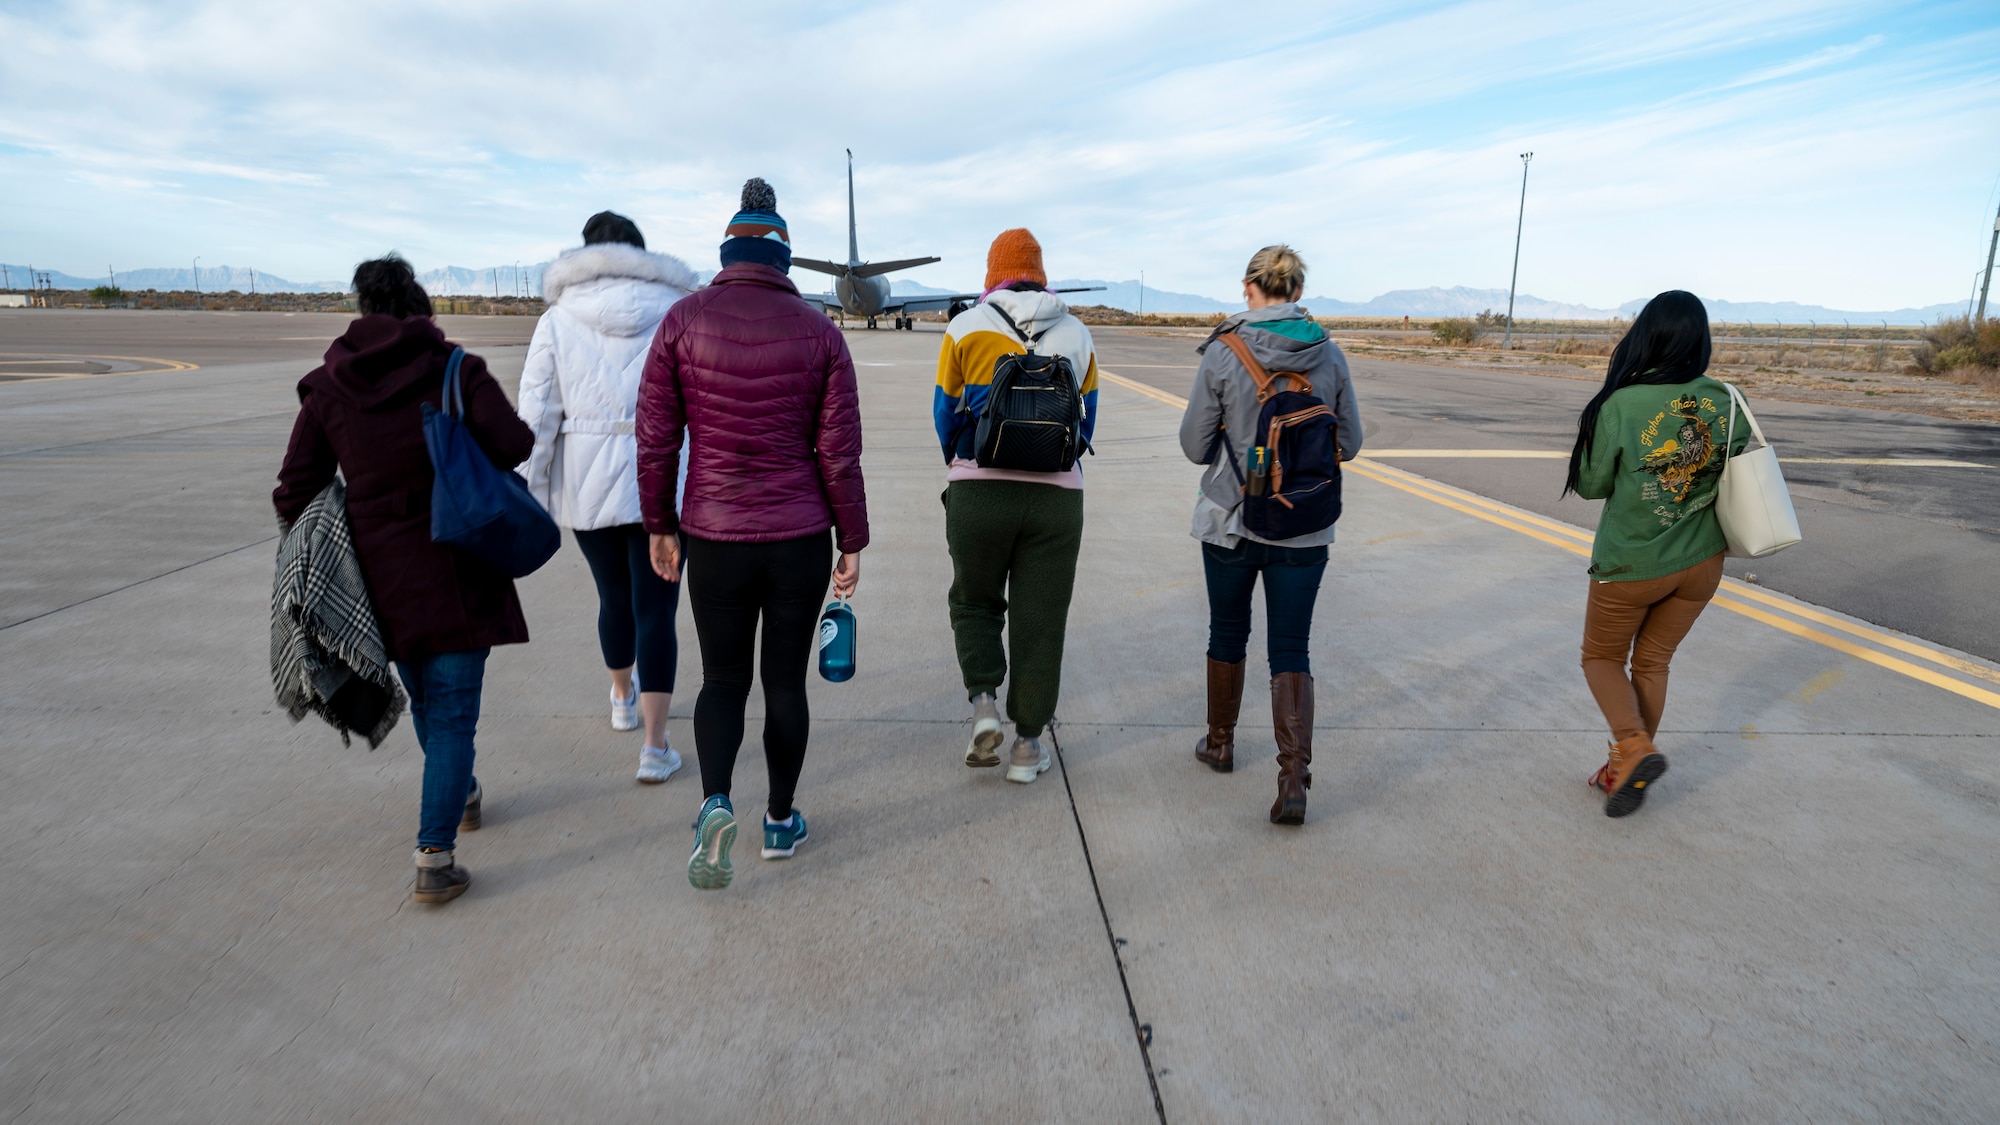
column 1225, row 395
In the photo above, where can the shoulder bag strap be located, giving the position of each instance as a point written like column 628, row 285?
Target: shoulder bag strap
column 1729, row 434
column 454, row 392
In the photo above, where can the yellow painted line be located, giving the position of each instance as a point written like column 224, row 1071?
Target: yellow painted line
column 1577, row 541
column 164, row 365
column 1153, row 393
column 1522, row 454
column 1882, row 660
column 1907, row 462
column 1885, row 639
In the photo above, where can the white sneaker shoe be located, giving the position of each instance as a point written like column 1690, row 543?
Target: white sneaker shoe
column 656, row 766
column 983, row 751
column 625, row 712
column 1028, row 761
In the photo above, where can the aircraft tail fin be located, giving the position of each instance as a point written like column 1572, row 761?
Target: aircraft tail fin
column 853, row 243
column 818, row 266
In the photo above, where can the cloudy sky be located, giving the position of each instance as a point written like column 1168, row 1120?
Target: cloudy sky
column 1846, row 154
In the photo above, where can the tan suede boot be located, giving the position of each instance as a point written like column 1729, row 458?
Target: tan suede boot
column 1632, row 766
column 1225, row 700
column 1292, row 724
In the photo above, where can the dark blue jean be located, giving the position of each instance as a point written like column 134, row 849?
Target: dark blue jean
column 444, row 707
column 1291, row 585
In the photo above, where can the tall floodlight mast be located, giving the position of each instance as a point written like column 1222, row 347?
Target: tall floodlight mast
column 197, row 275
column 1519, row 218
column 1985, row 285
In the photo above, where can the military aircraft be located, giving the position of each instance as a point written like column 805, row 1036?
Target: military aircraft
column 860, row 289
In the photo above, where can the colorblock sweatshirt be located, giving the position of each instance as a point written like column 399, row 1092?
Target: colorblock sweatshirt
column 974, row 343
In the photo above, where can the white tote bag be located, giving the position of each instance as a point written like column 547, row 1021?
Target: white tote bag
column 1752, row 502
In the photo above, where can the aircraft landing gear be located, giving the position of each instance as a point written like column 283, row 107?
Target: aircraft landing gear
column 904, row 323
column 871, row 323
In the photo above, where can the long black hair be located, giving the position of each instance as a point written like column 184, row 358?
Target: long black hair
column 1668, row 343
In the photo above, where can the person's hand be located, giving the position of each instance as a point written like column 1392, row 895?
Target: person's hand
column 667, row 557
column 847, row 574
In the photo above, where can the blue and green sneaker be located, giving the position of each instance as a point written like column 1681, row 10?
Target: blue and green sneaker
column 781, row 840
column 714, row 834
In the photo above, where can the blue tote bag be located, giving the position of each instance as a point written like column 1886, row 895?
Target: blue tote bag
column 475, row 504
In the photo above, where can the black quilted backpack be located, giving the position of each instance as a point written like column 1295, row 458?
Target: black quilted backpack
column 1033, row 416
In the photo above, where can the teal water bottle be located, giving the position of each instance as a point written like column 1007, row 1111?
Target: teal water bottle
column 836, row 642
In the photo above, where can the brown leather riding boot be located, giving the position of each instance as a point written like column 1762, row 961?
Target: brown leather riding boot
column 1292, row 724
column 1225, row 699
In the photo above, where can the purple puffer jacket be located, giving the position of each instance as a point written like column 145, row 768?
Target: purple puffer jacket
column 764, row 385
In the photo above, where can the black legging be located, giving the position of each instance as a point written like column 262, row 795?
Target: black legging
column 730, row 585
column 635, row 606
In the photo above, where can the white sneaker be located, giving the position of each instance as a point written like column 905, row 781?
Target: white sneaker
column 656, row 766
column 625, row 712
column 983, row 751
column 1028, row 761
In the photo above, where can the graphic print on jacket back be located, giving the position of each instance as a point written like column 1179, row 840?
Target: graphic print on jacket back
column 1685, row 457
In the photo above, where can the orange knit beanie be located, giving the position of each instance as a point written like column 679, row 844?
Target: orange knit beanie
column 1014, row 256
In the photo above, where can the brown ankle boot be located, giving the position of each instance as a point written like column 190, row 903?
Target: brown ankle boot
column 1292, row 724
column 1632, row 766
column 1225, row 699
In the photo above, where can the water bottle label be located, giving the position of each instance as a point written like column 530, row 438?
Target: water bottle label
column 828, row 630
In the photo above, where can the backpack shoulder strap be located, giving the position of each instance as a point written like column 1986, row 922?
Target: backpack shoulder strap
column 1031, row 341
column 1258, row 375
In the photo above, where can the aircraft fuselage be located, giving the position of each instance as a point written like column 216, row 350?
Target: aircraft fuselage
column 862, row 296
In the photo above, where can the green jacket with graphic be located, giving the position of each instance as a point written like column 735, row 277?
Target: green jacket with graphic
column 1655, row 461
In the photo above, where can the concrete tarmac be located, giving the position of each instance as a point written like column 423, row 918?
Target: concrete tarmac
column 207, row 915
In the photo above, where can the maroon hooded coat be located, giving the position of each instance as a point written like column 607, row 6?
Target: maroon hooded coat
column 765, row 388
column 361, row 412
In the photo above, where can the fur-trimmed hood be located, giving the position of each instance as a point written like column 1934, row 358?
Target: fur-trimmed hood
column 594, row 283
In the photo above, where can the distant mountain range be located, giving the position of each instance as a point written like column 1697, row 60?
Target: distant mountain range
column 1422, row 303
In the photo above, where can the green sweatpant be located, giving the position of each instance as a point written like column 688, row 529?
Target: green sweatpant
column 1013, row 541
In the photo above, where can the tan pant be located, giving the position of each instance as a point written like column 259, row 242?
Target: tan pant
column 1645, row 621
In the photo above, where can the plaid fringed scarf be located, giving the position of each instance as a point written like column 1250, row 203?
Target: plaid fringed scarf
column 327, row 655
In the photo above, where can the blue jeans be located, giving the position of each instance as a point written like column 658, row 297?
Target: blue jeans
column 1291, row 585
column 444, row 707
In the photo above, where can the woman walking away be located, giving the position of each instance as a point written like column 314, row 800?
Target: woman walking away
column 1013, row 533
column 1649, row 444
column 761, row 385
column 580, row 393
column 441, row 609
column 1221, row 429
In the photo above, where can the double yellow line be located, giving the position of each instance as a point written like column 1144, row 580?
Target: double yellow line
column 1940, row 668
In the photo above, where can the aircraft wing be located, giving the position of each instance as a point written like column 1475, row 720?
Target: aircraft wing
column 931, row 302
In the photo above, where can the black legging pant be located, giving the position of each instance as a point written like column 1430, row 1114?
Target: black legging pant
column 730, row 586
column 635, row 606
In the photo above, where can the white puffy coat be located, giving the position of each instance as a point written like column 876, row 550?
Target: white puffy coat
column 580, row 387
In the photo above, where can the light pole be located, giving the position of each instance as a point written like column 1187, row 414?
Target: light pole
column 197, row 275
column 1519, row 218
column 1142, row 292
column 1981, row 315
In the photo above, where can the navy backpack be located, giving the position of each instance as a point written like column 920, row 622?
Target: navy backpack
column 1294, row 483
column 475, row 504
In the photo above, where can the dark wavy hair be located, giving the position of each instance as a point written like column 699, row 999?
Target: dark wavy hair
column 610, row 226
column 1668, row 343
column 388, row 285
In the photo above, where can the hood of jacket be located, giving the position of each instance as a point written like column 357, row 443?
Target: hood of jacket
column 618, row 290
column 1283, row 337
column 380, row 360
column 1032, row 310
